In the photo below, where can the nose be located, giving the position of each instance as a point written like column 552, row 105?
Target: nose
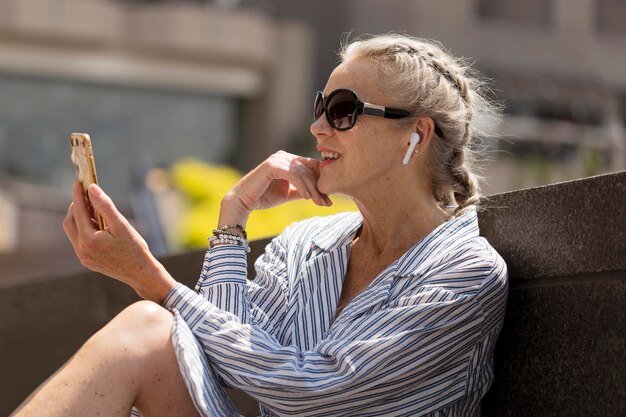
column 320, row 127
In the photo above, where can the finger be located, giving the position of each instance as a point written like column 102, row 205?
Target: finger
column 69, row 226
column 298, row 191
column 80, row 211
column 300, row 180
column 103, row 204
column 317, row 197
column 293, row 193
column 314, row 166
column 306, row 171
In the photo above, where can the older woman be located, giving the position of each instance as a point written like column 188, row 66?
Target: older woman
column 393, row 310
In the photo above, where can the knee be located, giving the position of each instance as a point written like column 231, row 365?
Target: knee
column 146, row 314
column 141, row 327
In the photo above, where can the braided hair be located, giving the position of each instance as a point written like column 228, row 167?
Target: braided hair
column 427, row 80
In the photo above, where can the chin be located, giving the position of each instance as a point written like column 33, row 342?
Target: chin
column 324, row 188
column 335, row 184
column 332, row 189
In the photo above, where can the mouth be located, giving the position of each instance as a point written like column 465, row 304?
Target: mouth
column 330, row 156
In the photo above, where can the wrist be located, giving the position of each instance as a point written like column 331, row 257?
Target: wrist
column 230, row 234
column 155, row 283
column 233, row 211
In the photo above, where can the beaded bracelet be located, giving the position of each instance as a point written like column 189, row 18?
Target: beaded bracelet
column 229, row 237
column 232, row 226
column 228, row 240
column 222, row 236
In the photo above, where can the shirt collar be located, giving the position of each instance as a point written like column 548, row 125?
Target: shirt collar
column 452, row 233
column 340, row 233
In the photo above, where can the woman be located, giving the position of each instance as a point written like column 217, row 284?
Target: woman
column 393, row 310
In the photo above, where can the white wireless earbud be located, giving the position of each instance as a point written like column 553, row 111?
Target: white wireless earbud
column 415, row 139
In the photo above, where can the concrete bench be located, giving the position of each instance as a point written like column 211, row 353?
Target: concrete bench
column 561, row 351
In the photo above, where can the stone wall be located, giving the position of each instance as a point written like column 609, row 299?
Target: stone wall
column 561, row 351
column 562, row 348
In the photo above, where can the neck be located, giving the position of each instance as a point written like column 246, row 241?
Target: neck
column 394, row 226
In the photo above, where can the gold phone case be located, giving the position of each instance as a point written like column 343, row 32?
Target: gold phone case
column 85, row 169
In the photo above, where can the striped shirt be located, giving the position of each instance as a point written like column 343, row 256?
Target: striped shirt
column 418, row 341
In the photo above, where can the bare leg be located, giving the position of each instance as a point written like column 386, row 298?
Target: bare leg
column 129, row 362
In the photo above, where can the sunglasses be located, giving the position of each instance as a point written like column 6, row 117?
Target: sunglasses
column 342, row 107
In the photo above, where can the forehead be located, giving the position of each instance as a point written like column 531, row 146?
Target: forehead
column 358, row 75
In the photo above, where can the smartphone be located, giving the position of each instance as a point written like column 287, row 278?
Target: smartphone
column 85, row 170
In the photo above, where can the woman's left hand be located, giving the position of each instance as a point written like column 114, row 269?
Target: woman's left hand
column 119, row 251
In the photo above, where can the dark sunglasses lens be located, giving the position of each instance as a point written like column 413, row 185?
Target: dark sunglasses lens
column 341, row 110
column 318, row 106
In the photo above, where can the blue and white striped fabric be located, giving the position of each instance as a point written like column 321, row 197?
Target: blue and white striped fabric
column 418, row 341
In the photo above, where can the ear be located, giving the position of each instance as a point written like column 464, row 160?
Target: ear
column 425, row 127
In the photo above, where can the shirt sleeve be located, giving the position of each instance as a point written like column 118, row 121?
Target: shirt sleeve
column 420, row 346
column 223, row 283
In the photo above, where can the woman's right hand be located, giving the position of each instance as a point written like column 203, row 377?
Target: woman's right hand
column 280, row 178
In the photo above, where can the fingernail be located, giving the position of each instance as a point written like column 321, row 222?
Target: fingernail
column 307, row 194
column 94, row 189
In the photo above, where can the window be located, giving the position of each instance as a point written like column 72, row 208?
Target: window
column 132, row 129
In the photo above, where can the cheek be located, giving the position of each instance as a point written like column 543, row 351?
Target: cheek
column 370, row 149
column 371, row 153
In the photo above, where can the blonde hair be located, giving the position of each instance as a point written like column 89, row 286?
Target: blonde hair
column 427, row 80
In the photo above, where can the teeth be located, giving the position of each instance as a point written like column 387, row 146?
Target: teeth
column 330, row 155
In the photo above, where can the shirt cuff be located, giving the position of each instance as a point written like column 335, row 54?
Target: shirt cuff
column 224, row 264
column 190, row 305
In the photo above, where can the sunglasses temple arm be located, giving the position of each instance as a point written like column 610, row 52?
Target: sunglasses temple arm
column 389, row 113
column 373, row 110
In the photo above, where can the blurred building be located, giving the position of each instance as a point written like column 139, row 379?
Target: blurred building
column 152, row 82
column 230, row 81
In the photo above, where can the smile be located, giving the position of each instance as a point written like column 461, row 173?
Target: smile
column 330, row 155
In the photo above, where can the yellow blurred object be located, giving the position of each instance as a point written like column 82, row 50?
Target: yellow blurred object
column 270, row 222
column 201, row 181
column 205, row 185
